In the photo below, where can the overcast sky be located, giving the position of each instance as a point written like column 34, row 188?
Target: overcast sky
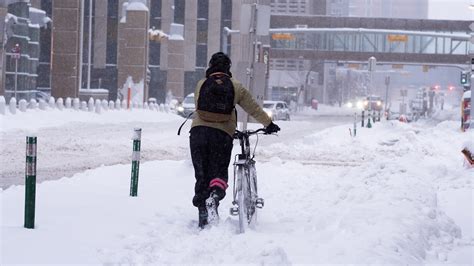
column 451, row 9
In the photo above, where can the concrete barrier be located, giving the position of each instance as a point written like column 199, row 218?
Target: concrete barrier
column 42, row 104
column 12, row 106
column 98, row 105
column 60, row 104
column 68, row 103
column 90, row 105
column 76, row 104
column 22, row 104
column 105, row 105
column 84, row 106
column 118, row 104
column 2, row 105
column 51, row 102
column 33, row 104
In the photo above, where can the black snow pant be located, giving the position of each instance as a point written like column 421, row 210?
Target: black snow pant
column 211, row 150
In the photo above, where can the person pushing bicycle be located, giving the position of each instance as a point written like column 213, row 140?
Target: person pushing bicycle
column 212, row 132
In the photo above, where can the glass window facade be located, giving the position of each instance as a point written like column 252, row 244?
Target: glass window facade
column 155, row 22
column 226, row 20
column 112, row 31
column 202, row 29
column 179, row 7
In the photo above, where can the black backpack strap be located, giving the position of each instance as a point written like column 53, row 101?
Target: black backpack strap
column 179, row 130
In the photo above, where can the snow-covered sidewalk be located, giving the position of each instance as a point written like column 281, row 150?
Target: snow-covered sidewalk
column 396, row 193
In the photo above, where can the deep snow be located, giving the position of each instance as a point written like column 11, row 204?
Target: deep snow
column 397, row 193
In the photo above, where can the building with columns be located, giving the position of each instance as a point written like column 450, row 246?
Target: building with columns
column 103, row 44
column 168, row 67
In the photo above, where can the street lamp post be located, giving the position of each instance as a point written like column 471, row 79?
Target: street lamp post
column 16, row 54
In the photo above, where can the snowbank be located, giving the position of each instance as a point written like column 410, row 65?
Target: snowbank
column 34, row 120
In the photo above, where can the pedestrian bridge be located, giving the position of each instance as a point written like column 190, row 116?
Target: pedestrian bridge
column 357, row 39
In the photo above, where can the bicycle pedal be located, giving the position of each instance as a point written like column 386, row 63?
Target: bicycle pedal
column 234, row 211
column 259, row 203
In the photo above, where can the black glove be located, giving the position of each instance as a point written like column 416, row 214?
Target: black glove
column 272, row 128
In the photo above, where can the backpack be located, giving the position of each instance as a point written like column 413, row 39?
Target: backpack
column 216, row 99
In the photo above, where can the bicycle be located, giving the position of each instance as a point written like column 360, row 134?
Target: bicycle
column 245, row 198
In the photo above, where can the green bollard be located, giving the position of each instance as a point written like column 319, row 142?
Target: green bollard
column 135, row 161
column 369, row 124
column 363, row 118
column 30, row 182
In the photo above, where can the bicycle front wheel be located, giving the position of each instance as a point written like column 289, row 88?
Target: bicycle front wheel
column 241, row 194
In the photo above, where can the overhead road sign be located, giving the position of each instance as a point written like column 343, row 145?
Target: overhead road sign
column 283, row 36
column 397, row 38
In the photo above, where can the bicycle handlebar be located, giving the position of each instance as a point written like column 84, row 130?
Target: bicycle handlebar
column 238, row 133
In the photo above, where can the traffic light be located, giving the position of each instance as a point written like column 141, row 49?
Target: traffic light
column 464, row 78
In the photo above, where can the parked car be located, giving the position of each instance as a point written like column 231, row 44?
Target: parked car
column 277, row 110
column 27, row 95
column 187, row 106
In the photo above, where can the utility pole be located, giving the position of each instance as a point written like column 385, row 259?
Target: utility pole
column 252, row 43
column 255, row 21
column 387, row 84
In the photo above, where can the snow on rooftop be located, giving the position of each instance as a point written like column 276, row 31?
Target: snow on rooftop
column 137, row 6
column 176, row 37
column 36, row 10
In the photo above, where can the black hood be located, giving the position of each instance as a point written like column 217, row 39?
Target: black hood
column 219, row 62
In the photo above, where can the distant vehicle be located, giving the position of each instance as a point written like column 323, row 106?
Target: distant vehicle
column 187, row 106
column 277, row 110
column 373, row 103
column 356, row 103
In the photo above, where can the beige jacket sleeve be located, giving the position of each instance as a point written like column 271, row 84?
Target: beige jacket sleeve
column 250, row 106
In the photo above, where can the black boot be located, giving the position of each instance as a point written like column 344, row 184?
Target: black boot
column 211, row 205
column 202, row 216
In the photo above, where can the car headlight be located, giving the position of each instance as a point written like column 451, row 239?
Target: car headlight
column 269, row 113
column 349, row 104
column 360, row 104
column 180, row 109
column 379, row 103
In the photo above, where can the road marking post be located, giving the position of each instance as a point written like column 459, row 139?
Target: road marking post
column 30, row 182
column 135, row 161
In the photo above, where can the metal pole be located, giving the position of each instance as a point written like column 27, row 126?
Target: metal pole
column 224, row 40
column 89, row 49
column 30, row 182
column 16, row 75
column 363, row 118
column 81, row 45
column 135, row 161
column 355, row 124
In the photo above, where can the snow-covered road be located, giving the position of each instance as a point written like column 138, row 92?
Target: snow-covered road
column 83, row 144
column 395, row 194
